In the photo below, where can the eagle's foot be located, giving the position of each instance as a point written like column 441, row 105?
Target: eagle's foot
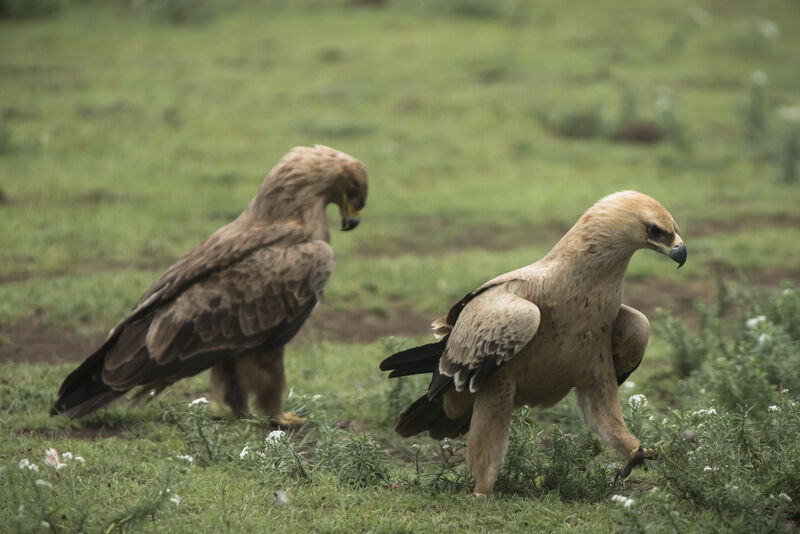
column 289, row 419
column 636, row 457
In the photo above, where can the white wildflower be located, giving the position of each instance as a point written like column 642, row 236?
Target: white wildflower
column 45, row 524
column 316, row 397
column 709, row 411
column 630, row 385
column 637, row 401
column 291, row 394
column 188, row 457
column 175, row 498
column 789, row 113
column 773, row 408
column 67, row 455
column 784, row 496
column 446, row 444
column 755, row 321
column 80, row 459
column 763, row 339
column 43, row 483
column 59, row 467
column 275, row 436
column 699, row 15
column 201, row 400
column 709, row 468
column 280, row 499
column 24, row 463
column 768, row 29
column 788, row 291
column 244, row 452
column 51, row 457
column 757, row 77
column 623, row 501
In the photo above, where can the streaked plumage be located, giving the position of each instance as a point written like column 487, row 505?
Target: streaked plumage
column 236, row 299
column 531, row 335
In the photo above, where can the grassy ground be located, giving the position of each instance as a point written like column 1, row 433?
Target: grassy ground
column 487, row 129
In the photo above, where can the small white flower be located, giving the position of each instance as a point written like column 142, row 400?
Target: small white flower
column 757, row 77
column 789, row 113
column 788, row 291
column 316, row 397
column 763, row 339
column 709, row 468
column 67, row 455
column 709, row 411
column 188, row 457
column 773, row 408
column 280, row 499
column 275, row 436
column 630, row 385
column 80, row 459
column 637, row 401
column 175, row 498
column 201, row 400
column 51, row 457
column 784, row 496
column 244, row 452
column 699, row 15
column 768, row 29
column 291, row 393
column 43, row 483
column 651, row 418
column 755, row 321
column 623, row 501
column 24, row 463
column 59, row 467
column 446, row 444
column 45, row 524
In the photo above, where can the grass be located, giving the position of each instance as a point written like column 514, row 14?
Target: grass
column 129, row 131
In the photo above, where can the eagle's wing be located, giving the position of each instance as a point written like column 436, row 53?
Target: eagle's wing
column 628, row 341
column 207, row 307
column 493, row 326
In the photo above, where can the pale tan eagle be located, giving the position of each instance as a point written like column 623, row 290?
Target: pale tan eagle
column 236, row 299
column 531, row 335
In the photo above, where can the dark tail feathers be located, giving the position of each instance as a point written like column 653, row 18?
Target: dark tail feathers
column 425, row 414
column 83, row 391
column 414, row 361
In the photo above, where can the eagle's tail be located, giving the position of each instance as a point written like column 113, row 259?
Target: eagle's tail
column 427, row 412
column 83, row 392
column 414, row 361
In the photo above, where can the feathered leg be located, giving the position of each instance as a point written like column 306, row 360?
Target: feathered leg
column 225, row 383
column 488, row 433
column 601, row 410
column 261, row 373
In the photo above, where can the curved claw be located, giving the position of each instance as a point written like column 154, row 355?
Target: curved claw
column 288, row 419
column 636, row 457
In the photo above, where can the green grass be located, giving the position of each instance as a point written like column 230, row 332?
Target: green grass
column 126, row 138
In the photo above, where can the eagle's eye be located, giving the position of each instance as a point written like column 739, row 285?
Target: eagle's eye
column 353, row 190
column 654, row 232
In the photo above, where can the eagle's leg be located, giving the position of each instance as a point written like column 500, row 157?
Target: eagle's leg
column 225, row 383
column 601, row 410
column 261, row 373
column 488, row 433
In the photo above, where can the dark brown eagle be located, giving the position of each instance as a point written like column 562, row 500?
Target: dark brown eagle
column 235, row 300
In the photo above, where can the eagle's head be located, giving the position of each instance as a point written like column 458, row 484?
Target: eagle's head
column 633, row 221
column 307, row 175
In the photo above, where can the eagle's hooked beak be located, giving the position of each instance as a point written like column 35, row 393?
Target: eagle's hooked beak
column 677, row 251
column 350, row 217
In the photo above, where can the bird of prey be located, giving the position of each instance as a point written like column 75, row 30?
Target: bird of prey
column 236, row 299
column 531, row 335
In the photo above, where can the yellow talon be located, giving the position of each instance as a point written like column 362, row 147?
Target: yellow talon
column 289, row 419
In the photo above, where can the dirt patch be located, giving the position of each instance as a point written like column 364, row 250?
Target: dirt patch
column 640, row 132
column 745, row 222
column 443, row 234
column 30, row 340
column 362, row 325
